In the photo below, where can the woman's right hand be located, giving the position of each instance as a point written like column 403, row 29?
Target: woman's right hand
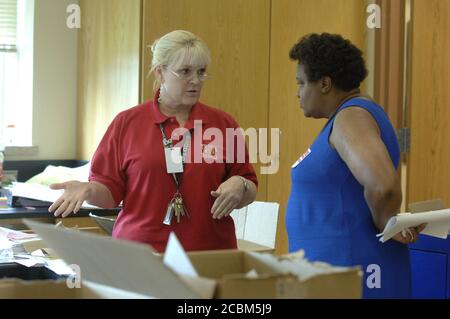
column 75, row 193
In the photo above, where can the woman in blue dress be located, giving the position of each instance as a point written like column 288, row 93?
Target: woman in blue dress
column 346, row 186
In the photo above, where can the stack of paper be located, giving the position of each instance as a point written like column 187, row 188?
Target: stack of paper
column 28, row 250
column 9, row 245
column 438, row 224
column 59, row 174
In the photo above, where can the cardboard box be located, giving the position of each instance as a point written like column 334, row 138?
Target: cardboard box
column 58, row 289
column 246, row 245
column 120, row 264
column 278, row 277
column 40, row 282
column 222, row 274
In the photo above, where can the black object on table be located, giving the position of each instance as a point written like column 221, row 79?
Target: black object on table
column 13, row 270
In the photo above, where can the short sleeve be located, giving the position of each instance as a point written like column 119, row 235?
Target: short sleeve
column 106, row 164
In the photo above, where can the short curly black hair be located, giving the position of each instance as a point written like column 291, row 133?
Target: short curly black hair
column 330, row 55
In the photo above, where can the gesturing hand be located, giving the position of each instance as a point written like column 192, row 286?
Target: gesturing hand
column 228, row 196
column 75, row 193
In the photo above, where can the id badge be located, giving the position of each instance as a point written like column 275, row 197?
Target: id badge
column 302, row 158
column 174, row 160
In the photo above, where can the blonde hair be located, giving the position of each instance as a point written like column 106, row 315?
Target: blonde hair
column 177, row 47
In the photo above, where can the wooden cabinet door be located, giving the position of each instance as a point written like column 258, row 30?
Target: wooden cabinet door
column 429, row 107
column 108, row 67
column 237, row 33
column 292, row 19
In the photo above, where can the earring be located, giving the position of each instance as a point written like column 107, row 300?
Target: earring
column 160, row 93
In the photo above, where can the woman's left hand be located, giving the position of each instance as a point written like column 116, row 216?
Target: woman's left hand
column 228, row 196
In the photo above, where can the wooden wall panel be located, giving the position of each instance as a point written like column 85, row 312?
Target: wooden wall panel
column 291, row 19
column 237, row 33
column 389, row 60
column 429, row 96
column 108, row 67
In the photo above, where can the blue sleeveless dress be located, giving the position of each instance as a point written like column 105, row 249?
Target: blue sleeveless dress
column 327, row 214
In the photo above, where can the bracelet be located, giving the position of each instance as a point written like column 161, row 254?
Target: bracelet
column 245, row 182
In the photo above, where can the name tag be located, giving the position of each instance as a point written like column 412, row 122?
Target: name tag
column 174, row 160
column 302, row 158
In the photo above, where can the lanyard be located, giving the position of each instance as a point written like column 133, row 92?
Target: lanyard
column 167, row 143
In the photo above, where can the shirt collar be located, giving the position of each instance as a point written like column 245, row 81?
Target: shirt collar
column 197, row 113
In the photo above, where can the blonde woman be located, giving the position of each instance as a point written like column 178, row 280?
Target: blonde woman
column 156, row 158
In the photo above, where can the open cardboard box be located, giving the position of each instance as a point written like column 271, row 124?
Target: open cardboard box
column 58, row 289
column 134, row 268
column 40, row 282
column 246, row 245
column 249, row 275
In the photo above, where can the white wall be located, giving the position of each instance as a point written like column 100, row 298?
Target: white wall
column 54, row 83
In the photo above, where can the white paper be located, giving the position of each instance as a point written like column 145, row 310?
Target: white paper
column 176, row 259
column 5, row 244
column 438, row 224
column 6, row 251
column 29, row 261
column 38, row 253
column 58, row 266
column 257, row 223
column 297, row 265
column 26, row 262
column 59, row 174
column 10, row 234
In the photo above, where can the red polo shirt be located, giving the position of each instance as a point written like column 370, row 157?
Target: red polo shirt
column 130, row 162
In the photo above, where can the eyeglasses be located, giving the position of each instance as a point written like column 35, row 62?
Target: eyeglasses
column 187, row 74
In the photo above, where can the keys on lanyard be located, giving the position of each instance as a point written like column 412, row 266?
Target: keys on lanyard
column 176, row 206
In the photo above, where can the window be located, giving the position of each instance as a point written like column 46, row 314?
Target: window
column 15, row 89
column 8, row 67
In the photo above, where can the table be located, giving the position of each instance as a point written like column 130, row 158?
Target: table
column 11, row 217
